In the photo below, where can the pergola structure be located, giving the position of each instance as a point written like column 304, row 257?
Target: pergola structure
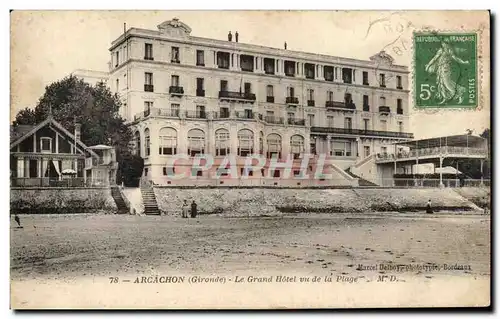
column 435, row 150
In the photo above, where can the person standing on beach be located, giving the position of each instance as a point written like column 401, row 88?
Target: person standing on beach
column 18, row 221
column 194, row 209
column 428, row 209
column 185, row 209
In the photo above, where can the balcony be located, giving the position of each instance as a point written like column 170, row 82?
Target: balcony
column 274, row 120
column 150, row 58
column 196, row 114
column 399, row 111
column 399, row 87
column 156, row 112
column 176, row 90
column 310, row 102
column 200, row 92
column 366, row 108
column 336, row 130
column 299, row 122
column 270, row 99
column 228, row 95
column 292, row 100
column 340, row 105
column 384, row 110
column 148, row 88
column 244, row 115
column 221, row 115
column 175, row 61
column 366, row 83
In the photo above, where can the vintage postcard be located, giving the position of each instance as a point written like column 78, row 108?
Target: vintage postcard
column 250, row 159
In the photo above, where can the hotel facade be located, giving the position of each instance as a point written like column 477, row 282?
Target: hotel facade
column 190, row 95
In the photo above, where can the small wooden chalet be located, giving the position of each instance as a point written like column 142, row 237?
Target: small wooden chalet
column 48, row 155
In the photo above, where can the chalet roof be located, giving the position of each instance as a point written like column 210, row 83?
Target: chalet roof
column 26, row 132
column 100, row 147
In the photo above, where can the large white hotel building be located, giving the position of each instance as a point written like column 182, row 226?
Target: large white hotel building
column 184, row 94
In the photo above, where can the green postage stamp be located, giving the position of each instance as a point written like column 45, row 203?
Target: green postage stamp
column 445, row 70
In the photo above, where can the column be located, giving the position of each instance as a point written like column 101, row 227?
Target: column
column 328, row 145
column 441, row 172
column 482, row 179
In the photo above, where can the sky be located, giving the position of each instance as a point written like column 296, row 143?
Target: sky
column 48, row 45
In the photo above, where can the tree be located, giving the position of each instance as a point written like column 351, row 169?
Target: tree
column 70, row 101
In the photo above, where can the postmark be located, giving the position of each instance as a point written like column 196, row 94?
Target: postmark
column 445, row 70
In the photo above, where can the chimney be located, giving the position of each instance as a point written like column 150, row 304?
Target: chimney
column 285, row 45
column 78, row 131
column 229, row 36
column 236, row 36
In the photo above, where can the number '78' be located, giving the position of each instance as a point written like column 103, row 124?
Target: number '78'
column 425, row 91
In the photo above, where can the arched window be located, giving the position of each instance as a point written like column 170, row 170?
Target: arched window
column 245, row 142
column 147, row 143
column 168, row 141
column 137, row 142
column 296, row 145
column 382, row 101
column 261, row 143
column 273, row 145
column 222, row 142
column 196, row 142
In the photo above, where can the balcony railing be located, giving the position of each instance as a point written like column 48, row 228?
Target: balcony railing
column 292, row 100
column 384, row 109
column 148, row 87
column 366, row 108
column 382, row 85
column 337, row 130
column 340, row 105
column 221, row 115
column 223, row 66
column 175, row 61
column 237, row 95
column 157, row 112
column 150, row 58
column 200, row 92
column 274, row 120
column 244, row 115
column 196, row 114
column 300, row 122
column 270, row 99
column 176, row 90
column 433, row 151
column 310, row 102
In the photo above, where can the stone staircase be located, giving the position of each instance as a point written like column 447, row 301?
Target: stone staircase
column 149, row 200
column 119, row 201
column 361, row 181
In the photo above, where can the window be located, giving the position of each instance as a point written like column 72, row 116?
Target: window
column 248, row 113
column 175, row 80
column 273, row 145
column 246, row 63
column 222, row 142
column 199, row 87
column 383, row 125
column 175, row 55
column 223, row 85
column 310, row 118
column 366, row 124
column 348, row 123
column 365, row 78
column 290, row 91
column 137, row 143
column 148, row 105
column 347, row 99
column 382, row 80
column 400, row 106
column 310, row 94
column 46, row 144
column 291, row 116
column 169, row 171
column 168, row 141
column 400, row 127
column 147, row 143
column 366, row 103
column 366, row 150
column 148, row 51
column 245, row 142
column 200, row 111
column 117, row 58
column 328, row 71
column 383, row 149
column 148, row 82
column 117, row 85
column 296, row 145
column 224, row 113
column 248, row 88
column 146, row 170
column 269, row 90
column 329, row 96
column 341, row 148
column 309, row 69
column 329, row 120
column 175, row 109
column 268, row 66
column 347, row 75
column 200, row 58
column 223, row 60
column 399, row 83
column 289, row 68
column 196, row 142
column 244, row 172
